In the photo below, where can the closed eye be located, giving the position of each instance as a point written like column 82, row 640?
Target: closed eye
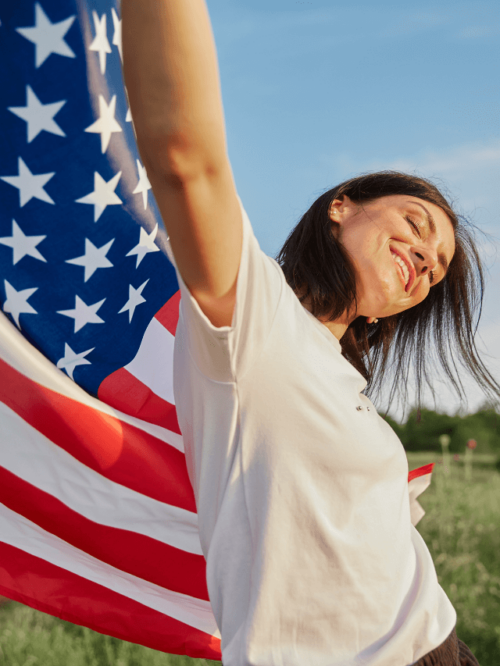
column 416, row 228
column 414, row 225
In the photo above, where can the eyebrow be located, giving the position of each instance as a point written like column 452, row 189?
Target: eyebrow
column 432, row 226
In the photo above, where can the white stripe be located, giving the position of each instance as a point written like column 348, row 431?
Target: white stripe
column 415, row 488
column 154, row 362
column 21, row 533
column 32, row 457
column 21, row 355
column 417, row 485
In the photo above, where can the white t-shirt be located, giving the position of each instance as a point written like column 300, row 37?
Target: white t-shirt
column 301, row 489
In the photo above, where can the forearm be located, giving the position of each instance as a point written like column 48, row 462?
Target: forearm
column 171, row 74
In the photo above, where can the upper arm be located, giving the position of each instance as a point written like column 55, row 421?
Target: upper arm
column 171, row 74
column 200, row 208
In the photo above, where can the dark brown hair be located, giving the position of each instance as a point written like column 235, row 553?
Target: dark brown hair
column 437, row 333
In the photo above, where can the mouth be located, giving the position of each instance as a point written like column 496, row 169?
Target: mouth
column 405, row 270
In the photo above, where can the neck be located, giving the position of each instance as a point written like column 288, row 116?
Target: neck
column 338, row 326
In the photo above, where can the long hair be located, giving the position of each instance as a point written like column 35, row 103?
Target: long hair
column 437, row 333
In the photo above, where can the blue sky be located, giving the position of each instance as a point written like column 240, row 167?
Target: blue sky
column 316, row 92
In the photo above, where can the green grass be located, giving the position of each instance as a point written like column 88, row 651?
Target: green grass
column 461, row 528
column 31, row 638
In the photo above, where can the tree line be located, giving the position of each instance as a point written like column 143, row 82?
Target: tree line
column 422, row 428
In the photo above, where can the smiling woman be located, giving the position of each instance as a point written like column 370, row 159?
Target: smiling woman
column 385, row 262
column 301, row 488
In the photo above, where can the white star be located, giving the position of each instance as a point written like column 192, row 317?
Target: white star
column 143, row 185
column 134, row 299
column 128, row 117
column 83, row 314
column 71, row 359
column 100, row 43
column 103, row 194
column 16, row 302
column 29, row 185
column 117, row 35
column 48, row 37
column 146, row 244
column 94, row 258
column 22, row 245
column 106, row 124
column 38, row 116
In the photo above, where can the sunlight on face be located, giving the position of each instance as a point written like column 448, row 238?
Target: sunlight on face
column 400, row 247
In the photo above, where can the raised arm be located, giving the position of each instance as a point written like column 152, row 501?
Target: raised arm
column 171, row 74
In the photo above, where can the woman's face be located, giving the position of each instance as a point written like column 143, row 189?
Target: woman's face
column 400, row 246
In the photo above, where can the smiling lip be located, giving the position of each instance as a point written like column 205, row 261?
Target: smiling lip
column 409, row 266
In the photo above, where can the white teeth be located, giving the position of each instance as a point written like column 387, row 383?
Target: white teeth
column 404, row 267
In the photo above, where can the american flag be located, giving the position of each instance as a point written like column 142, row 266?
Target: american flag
column 98, row 521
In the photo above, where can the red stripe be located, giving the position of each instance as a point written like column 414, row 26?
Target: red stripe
column 120, row 452
column 168, row 315
column 420, row 471
column 53, row 590
column 134, row 553
column 125, row 392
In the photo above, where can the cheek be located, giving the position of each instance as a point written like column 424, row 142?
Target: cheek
column 421, row 292
column 379, row 290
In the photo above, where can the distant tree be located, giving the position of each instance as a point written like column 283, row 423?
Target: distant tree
column 483, row 426
column 421, row 430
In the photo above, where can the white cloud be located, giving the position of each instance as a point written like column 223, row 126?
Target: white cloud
column 478, row 32
column 457, row 160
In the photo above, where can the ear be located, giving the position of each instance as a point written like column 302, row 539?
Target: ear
column 338, row 208
column 334, row 211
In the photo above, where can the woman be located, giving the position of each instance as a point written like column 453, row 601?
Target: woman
column 301, row 487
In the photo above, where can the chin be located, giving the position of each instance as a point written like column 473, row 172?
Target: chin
column 377, row 306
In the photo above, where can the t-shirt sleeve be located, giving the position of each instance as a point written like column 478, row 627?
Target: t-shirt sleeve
column 224, row 354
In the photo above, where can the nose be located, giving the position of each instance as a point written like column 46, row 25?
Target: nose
column 425, row 259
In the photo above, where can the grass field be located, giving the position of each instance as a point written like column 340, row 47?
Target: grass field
column 461, row 528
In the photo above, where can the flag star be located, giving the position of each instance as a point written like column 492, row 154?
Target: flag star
column 143, row 185
column 71, row 359
column 38, row 116
column 16, row 302
column 103, row 194
column 106, row 124
column 48, row 37
column 100, row 43
column 135, row 298
column 30, row 186
column 117, row 35
column 146, row 244
column 22, row 245
column 83, row 314
column 94, row 258
column 128, row 117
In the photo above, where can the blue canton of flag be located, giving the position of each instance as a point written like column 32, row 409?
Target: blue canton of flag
column 81, row 271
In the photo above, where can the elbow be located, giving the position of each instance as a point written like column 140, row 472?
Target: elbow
column 180, row 159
